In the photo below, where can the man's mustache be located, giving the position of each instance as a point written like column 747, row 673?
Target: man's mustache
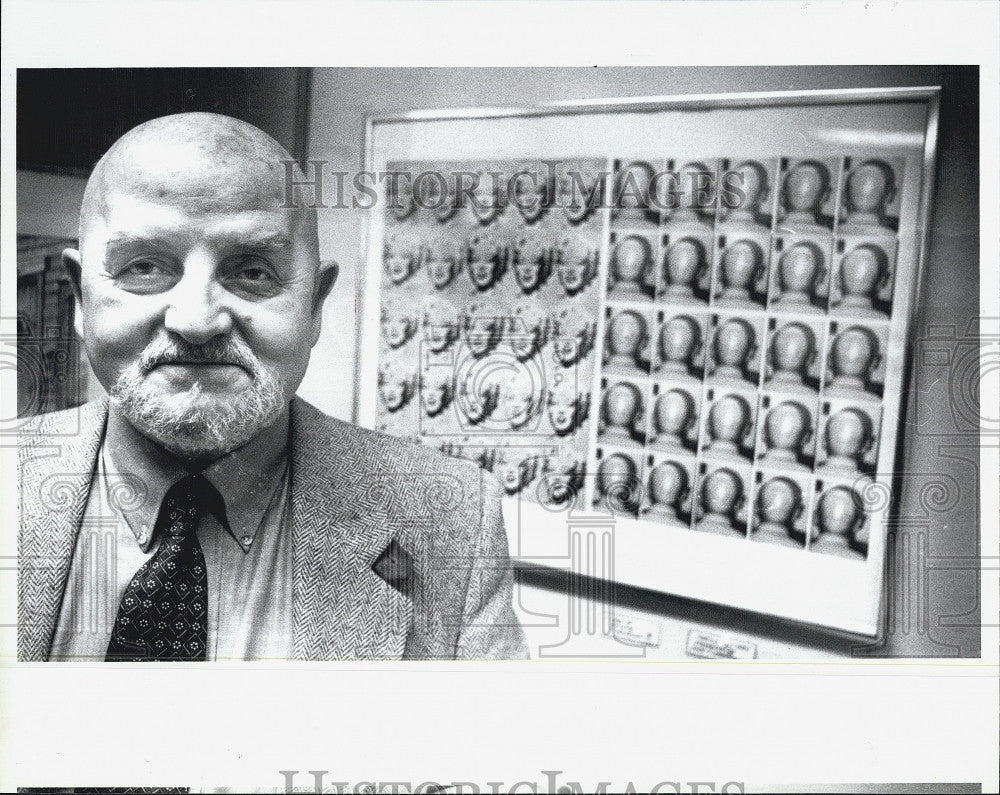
column 216, row 351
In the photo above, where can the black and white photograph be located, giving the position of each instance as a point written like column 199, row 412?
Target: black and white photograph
column 381, row 392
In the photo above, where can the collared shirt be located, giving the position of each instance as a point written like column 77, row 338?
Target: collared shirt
column 247, row 553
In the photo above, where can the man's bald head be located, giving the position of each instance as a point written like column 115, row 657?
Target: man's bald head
column 204, row 162
column 200, row 291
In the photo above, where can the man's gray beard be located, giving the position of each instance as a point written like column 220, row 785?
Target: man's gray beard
column 188, row 426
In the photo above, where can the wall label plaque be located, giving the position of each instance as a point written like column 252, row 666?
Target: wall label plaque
column 715, row 646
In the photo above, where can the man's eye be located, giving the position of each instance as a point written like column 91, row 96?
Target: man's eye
column 255, row 277
column 145, row 276
column 255, row 274
column 141, row 268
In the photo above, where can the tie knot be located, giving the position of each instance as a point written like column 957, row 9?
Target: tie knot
column 188, row 499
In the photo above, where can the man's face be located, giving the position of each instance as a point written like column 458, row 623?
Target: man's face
column 199, row 303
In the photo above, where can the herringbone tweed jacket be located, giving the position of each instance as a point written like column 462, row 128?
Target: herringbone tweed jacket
column 398, row 551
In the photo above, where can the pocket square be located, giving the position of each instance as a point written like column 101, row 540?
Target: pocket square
column 395, row 566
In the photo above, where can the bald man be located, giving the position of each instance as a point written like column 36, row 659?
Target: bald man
column 202, row 511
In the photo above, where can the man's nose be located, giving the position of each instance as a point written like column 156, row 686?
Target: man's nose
column 198, row 309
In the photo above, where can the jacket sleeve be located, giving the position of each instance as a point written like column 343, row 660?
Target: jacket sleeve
column 490, row 629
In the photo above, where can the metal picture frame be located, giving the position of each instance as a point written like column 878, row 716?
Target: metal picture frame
column 928, row 97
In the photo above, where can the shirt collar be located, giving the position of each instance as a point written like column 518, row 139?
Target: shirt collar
column 246, row 478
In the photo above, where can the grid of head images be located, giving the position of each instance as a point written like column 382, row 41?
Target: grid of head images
column 746, row 325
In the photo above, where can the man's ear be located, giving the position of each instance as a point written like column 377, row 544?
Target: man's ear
column 73, row 265
column 71, row 261
column 326, row 277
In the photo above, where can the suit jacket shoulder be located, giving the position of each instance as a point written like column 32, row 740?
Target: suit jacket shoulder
column 56, row 448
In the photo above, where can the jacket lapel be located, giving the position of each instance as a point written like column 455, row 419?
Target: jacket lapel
column 57, row 457
column 342, row 608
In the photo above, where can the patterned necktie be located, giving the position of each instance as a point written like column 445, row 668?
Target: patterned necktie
column 163, row 613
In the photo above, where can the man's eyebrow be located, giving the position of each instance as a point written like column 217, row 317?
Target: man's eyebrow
column 125, row 241
column 265, row 241
column 128, row 238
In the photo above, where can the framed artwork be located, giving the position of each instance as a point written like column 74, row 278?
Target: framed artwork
column 685, row 320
